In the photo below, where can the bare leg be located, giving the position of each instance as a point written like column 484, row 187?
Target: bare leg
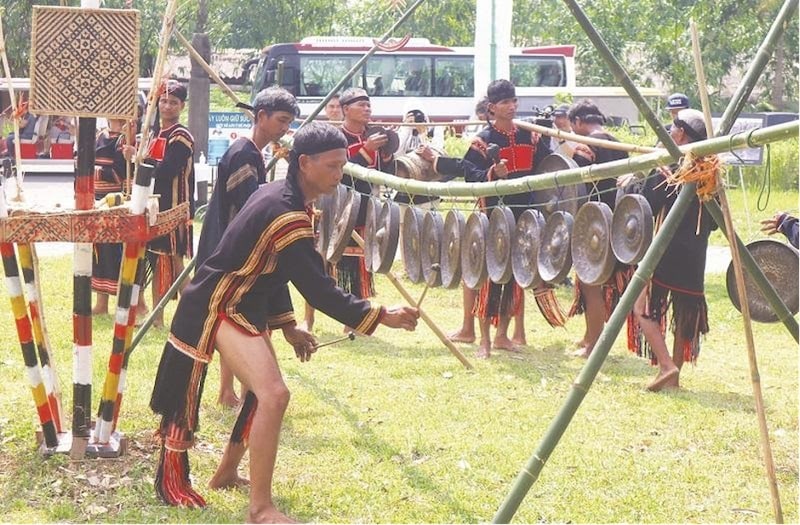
column 141, row 306
column 253, row 362
column 668, row 373
column 227, row 474
column 595, row 316
column 466, row 334
column 519, row 338
column 484, row 348
column 101, row 304
column 501, row 340
column 308, row 322
column 227, row 394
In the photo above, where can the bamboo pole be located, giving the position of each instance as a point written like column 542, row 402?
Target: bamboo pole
column 354, row 70
column 559, row 424
column 15, row 121
column 428, row 321
column 594, row 172
column 211, row 73
column 769, row 463
column 591, row 141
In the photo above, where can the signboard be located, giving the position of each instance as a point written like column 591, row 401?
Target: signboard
column 748, row 156
column 223, row 128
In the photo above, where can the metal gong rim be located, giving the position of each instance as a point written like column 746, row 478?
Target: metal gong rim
column 345, row 223
column 592, row 256
column 329, row 206
column 393, row 139
column 554, row 259
column 525, row 248
column 498, row 245
column 386, row 236
column 412, row 225
column 562, row 198
column 473, row 251
column 450, row 263
column 431, row 248
column 631, row 228
column 780, row 264
column 370, row 232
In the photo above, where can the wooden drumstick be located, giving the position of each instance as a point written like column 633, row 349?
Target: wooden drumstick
column 351, row 336
column 435, row 267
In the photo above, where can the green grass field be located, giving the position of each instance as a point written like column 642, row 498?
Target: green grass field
column 392, row 429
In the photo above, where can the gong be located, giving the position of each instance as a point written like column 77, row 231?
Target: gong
column 525, row 248
column 450, row 263
column 554, row 258
column 412, row 227
column 631, row 228
column 780, row 264
column 346, row 217
column 393, row 140
column 592, row 256
column 473, row 251
column 498, row 245
column 370, row 232
column 561, row 198
column 387, row 233
column 328, row 206
column 431, row 248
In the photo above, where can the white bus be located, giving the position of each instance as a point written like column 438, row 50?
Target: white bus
column 442, row 77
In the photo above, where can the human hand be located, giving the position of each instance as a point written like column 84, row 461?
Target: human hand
column 770, row 226
column 128, row 152
column 624, row 180
column 409, row 118
column 426, row 153
column 584, row 151
column 404, row 317
column 374, row 142
column 501, row 169
column 303, row 342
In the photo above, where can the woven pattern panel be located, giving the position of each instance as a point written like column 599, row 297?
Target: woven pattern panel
column 101, row 225
column 84, row 62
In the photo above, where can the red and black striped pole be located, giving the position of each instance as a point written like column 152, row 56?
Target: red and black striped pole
column 82, row 291
column 26, row 261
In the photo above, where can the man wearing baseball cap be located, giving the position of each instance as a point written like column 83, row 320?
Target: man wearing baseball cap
column 677, row 102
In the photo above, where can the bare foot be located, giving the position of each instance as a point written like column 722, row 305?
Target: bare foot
column 97, row 310
column 229, row 399
column 484, row 351
column 142, row 311
column 462, row 336
column 519, row 341
column 665, row 380
column 220, row 481
column 504, row 343
column 158, row 323
column 583, row 351
column 269, row 515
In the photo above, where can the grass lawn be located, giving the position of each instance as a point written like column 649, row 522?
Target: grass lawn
column 392, row 429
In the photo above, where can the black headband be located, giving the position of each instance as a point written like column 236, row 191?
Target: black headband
column 353, row 100
column 279, row 106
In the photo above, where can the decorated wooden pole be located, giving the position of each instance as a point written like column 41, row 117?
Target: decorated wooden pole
column 25, row 335
column 531, row 471
column 49, row 378
column 133, row 254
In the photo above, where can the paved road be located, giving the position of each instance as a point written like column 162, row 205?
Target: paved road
column 52, row 191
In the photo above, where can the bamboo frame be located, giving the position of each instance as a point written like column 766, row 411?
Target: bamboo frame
column 559, row 424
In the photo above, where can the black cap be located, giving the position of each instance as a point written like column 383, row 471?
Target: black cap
column 677, row 101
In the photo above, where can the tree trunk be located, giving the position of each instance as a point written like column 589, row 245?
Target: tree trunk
column 199, row 86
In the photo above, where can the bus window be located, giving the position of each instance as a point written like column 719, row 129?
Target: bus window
column 398, row 75
column 319, row 74
column 455, row 77
column 537, row 72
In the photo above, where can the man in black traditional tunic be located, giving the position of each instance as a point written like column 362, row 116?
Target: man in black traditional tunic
column 596, row 301
column 174, row 183
column 239, row 293
column 679, row 278
column 240, row 172
column 519, row 152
